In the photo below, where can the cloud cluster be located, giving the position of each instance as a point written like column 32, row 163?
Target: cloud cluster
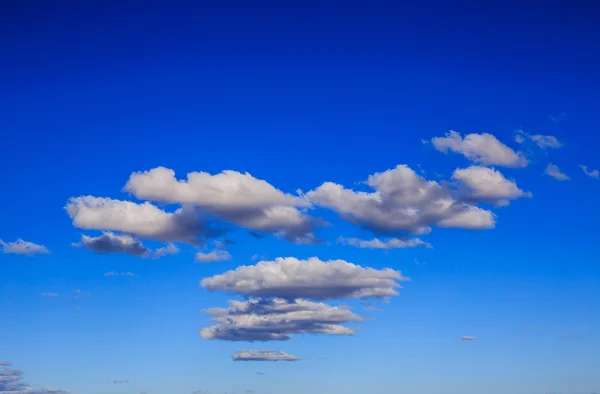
column 232, row 196
column 277, row 320
column 11, row 382
column 376, row 243
column 23, row 247
column 402, row 201
column 555, row 172
column 263, row 355
column 312, row 278
column 483, row 149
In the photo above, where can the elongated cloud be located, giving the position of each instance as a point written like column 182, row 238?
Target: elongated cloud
column 590, row 173
column 312, row 278
column 402, row 201
column 142, row 220
column 23, row 247
column 109, row 242
column 277, row 320
column 468, row 338
column 375, row 243
column 480, row 148
column 263, row 355
column 215, row 255
column 542, row 141
column 556, row 173
column 487, row 185
column 235, row 197
column 11, row 382
column 113, row 273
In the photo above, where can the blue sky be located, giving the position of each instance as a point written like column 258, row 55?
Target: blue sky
column 298, row 95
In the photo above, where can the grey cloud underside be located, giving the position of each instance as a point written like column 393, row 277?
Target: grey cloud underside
column 312, row 278
column 11, row 382
column 401, row 202
column 109, row 242
column 263, row 355
column 277, row 320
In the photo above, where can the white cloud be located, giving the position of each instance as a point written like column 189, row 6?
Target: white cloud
column 480, row 148
column 312, row 278
column 263, row 355
column 542, row 141
column 402, row 201
column 232, row 196
column 165, row 251
column 23, row 247
column 555, row 173
column 375, row 243
column 143, row 220
column 487, row 185
column 468, row 338
column 277, row 320
column 113, row 273
column 215, row 255
column 11, row 382
column 590, row 173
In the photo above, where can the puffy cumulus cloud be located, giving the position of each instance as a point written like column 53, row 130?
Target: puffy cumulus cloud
column 109, row 242
column 142, row 220
column 487, row 185
column 277, row 320
column 312, row 278
column 468, row 338
column 402, row 201
column 23, row 247
column 232, row 196
column 263, row 355
column 215, row 255
column 480, row 148
column 555, row 172
column 542, row 141
column 11, row 382
column 590, row 173
column 375, row 243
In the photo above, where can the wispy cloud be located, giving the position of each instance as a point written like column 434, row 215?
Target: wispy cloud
column 113, row 273
column 263, row 355
column 468, row 338
column 555, row 172
column 50, row 294
column 590, row 173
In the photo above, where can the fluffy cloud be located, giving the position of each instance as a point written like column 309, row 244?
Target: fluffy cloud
column 215, row 255
column 375, row 243
column 165, row 251
column 480, row 148
column 487, row 185
column 468, row 338
column 590, row 173
column 142, row 220
column 555, row 173
column 542, row 141
column 403, row 201
column 23, row 247
column 11, row 382
column 314, row 279
column 277, row 320
column 263, row 355
column 234, row 197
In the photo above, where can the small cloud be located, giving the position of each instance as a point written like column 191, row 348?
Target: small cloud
column 5, row 364
column 468, row 338
column 263, row 355
column 118, row 381
column 261, row 373
column 542, row 141
column 49, row 294
column 555, row 173
column 113, row 273
column 79, row 293
column 557, row 118
column 590, row 173
column 376, row 243
column 215, row 255
column 23, row 248
column 165, row 250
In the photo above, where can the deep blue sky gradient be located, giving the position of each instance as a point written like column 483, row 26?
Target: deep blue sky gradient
column 298, row 93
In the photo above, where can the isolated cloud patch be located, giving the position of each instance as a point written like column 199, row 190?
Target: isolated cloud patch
column 542, row 141
column 235, row 197
column 263, row 355
column 487, row 185
column 480, row 148
column 113, row 273
column 11, row 382
column 277, row 320
column 468, row 338
column 555, row 172
column 590, row 173
column 142, row 220
column 375, row 243
column 402, row 201
column 23, row 248
column 312, row 278
column 215, row 255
